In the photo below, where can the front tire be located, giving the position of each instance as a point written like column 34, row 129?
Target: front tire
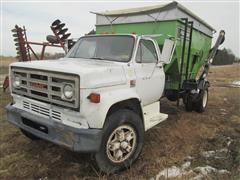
column 122, row 141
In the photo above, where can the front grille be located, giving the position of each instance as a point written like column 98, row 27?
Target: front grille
column 46, row 86
column 56, row 115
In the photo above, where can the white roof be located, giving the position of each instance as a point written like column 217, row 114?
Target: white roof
column 179, row 12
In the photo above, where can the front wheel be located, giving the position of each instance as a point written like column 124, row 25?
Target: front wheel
column 122, row 141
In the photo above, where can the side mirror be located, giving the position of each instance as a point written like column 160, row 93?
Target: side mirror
column 167, row 51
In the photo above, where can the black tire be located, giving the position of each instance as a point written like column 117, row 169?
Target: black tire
column 117, row 120
column 188, row 102
column 201, row 104
column 30, row 135
column 172, row 95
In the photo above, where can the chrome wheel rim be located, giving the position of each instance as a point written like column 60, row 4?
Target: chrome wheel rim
column 205, row 98
column 121, row 143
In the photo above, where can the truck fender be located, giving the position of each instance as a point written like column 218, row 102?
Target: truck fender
column 108, row 100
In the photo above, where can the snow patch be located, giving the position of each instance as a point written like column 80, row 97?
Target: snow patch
column 229, row 141
column 220, row 153
column 186, row 165
column 170, row 172
column 208, row 154
column 223, row 171
column 206, row 170
column 197, row 173
column 174, row 171
column 235, row 84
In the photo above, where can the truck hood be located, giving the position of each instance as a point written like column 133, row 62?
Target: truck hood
column 93, row 73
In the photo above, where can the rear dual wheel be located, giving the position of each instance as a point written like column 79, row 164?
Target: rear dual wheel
column 188, row 103
column 200, row 104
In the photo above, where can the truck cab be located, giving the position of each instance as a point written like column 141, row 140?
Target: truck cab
column 100, row 98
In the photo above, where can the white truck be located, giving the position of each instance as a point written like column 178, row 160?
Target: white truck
column 100, row 98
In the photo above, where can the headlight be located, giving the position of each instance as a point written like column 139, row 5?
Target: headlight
column 16, row 82
column 68, row 91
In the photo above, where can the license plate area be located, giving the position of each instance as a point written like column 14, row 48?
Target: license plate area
column 35, row 125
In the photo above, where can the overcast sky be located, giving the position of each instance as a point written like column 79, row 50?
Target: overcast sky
column 37, row 17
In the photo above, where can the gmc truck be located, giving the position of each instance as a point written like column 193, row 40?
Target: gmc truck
column 100, row 98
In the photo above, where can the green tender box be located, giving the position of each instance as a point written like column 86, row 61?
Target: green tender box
column 164, row 20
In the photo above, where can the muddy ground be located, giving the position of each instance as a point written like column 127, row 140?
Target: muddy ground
column 187, row 145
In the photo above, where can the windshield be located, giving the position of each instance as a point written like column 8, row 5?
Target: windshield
column 112, row 48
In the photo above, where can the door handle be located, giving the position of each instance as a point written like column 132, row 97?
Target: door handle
column 159, row 65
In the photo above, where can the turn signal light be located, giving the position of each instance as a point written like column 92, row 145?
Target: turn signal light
column 94, row 97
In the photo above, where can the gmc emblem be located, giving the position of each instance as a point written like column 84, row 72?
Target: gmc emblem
column 38, row 85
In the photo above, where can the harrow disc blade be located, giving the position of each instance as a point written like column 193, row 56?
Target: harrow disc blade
column 56, row 22
column 65, row 36
column 63, row 31
column 14, row 30
column 59, row 27
column 52, row 39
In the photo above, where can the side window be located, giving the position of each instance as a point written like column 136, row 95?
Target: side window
column 146, row 52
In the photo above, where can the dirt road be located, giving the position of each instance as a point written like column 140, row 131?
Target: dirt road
column 187, row 145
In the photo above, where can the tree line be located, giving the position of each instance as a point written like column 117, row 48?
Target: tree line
column 224, row 57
